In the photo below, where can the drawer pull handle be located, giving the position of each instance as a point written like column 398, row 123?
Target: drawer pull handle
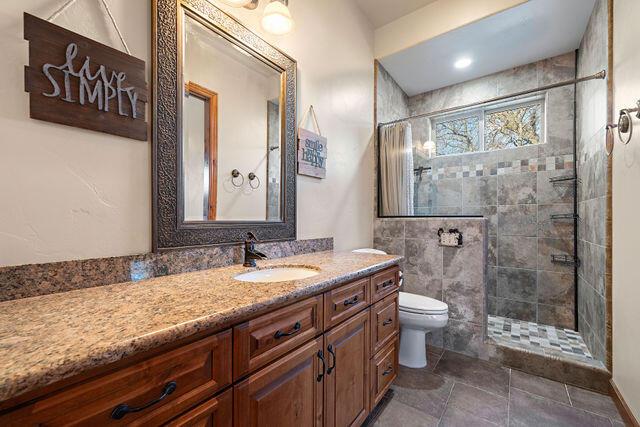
column 123, row 409
column 387, row 322
column 331, row 352
column 324, row 365
column 387, row 371
column 351, row 301
column 296, row 328
column 388, row 283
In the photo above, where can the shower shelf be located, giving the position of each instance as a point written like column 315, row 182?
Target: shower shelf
column 563, row 178
column 564, row 259
column 564, row 216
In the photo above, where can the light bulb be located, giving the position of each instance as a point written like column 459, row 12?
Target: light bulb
column 236, row 3
column 430, row 147
column 277, row 18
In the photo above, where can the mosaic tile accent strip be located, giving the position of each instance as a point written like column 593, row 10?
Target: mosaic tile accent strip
column 541, row 339
column 564, row 162
column 31, row 280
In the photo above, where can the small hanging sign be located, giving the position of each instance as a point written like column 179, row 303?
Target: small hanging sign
column 312, row 149
column 76, row 81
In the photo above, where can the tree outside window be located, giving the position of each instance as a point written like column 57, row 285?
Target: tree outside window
column 458, row 136
column 508, row 125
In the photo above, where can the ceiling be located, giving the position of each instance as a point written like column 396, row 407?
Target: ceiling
column 527, row 33
column 382, row 12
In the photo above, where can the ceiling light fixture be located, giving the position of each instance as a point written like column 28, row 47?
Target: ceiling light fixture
column 236, row 3
column 277, row 18
column 462, row 63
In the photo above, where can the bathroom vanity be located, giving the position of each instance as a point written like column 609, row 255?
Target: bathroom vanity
column 205, row 349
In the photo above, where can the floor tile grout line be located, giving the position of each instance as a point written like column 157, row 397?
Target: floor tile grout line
column 437, row 361
column 494, row 394
column 446, row 404
column 568, row 395
column 564, row 404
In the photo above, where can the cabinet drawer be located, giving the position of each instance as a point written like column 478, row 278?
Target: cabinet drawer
column 198, row 371
column 261, row 340
column 343, row 302
column 384, row 369
column 384, row 322
column 217, row 411
column 384, row 283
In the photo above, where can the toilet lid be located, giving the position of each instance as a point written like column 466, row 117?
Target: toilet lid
column 369, row 251
column 420, row 304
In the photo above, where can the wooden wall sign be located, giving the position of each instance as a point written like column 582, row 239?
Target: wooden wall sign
column 312, row 154
column 312, row 149
column 76, row 81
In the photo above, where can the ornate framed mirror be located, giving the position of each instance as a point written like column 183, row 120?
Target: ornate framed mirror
column 223, row 130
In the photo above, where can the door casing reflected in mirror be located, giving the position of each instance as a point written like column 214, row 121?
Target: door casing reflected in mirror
column 210, row 146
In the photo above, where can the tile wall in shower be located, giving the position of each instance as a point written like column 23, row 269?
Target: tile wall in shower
column 591, row 114
column 450, row 274
column 511, row 188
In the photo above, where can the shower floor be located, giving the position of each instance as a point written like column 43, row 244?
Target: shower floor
column 547, row 340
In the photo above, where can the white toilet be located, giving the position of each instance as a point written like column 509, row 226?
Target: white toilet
column 418, row 315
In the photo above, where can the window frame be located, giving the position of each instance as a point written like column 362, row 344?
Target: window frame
column 482, row 111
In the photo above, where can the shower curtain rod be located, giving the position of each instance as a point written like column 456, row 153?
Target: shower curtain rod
column 601, row 75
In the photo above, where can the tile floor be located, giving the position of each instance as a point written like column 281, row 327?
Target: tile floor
column 542, row 339
column 457, row 390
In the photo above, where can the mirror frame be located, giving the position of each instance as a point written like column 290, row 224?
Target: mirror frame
column 169, row 229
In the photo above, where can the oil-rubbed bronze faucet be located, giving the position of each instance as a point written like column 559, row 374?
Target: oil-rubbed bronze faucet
column 250, row 252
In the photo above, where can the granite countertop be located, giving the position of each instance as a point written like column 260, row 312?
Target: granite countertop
column 48, row 338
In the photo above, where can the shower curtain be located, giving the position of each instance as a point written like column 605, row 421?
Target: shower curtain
column 396, row 170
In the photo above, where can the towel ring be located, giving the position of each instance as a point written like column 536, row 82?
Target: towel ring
column 253, row 177
column 625, row 125
column 235, row 174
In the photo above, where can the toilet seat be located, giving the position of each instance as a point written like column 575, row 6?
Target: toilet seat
column 418, row 304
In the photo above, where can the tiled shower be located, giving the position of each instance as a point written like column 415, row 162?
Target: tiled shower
column 544, row 204
column 513, row 189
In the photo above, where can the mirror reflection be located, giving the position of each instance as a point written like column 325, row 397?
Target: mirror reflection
column 231, row 130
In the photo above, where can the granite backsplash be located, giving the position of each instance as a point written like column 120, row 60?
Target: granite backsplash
column 31, row 280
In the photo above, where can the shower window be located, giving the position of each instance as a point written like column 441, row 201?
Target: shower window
column 458, row 135
column 496, row 127
column 514, row 126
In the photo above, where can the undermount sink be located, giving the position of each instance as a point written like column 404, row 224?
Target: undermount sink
column 277, row 274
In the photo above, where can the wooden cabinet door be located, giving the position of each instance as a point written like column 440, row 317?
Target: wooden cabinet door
column 286, row 393
column 384, row 369
column 215, row 412
column 347, row 347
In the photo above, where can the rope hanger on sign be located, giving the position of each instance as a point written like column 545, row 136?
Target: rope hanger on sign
column 305, row 116
column 69, row 3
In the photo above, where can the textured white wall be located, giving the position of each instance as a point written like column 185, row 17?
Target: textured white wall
column 626, row 205
column 68, row 193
